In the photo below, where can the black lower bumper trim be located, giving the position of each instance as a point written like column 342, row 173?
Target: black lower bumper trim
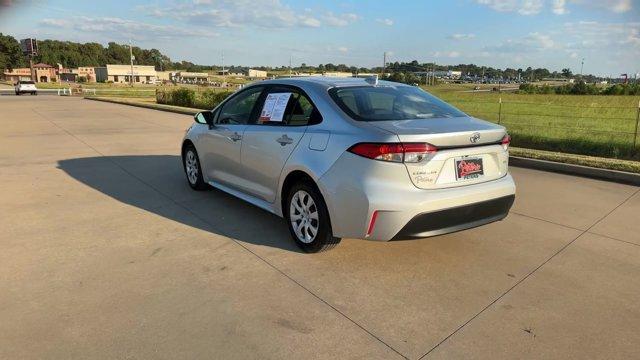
column 456, row 218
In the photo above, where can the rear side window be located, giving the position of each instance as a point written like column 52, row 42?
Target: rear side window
column 287, row 106
column 379, row 103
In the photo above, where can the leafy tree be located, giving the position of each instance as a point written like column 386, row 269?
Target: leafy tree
column 566, row 73
column 10, row 53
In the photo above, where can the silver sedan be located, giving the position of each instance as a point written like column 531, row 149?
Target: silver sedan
column 352, row 157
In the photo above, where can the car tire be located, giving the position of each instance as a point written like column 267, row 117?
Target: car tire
column 192, row 168
column 312, row 233
column 34, row 93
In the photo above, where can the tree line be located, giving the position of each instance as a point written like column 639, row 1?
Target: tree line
column 72, row 54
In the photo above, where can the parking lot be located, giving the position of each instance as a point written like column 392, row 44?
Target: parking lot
column 105, row 252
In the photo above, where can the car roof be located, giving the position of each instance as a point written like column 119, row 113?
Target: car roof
column 326, row 81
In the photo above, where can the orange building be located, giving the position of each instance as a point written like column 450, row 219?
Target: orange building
column 43, row 72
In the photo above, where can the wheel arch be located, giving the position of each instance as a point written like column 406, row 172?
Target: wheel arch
column 185, row 143
column 294, row 176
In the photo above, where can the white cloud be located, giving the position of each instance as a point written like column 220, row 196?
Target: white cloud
column 620, row 6
column 125, row 28
column 524, row 7
column 55, row 22
column 343, row 49
column 387, row 22
column 541, row 41
column 559, row 7
column 462, row 36
column 340, row 20
column 596, row 35
column 446, row 54
column 245, row 13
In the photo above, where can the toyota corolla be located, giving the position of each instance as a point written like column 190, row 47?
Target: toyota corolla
column 352, row 157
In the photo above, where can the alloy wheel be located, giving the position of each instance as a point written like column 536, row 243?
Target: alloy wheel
column 303, row 214
column 191, row 167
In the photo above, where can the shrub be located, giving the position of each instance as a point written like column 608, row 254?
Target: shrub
column 207, row 99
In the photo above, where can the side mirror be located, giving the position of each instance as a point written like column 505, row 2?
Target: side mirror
column 204, row 117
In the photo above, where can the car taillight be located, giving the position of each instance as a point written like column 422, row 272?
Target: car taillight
column 394, row 152
column 506, row 141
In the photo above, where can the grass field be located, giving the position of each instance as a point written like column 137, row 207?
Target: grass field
column 590, row 125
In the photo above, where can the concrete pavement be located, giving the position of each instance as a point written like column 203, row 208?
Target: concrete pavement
column 105, row 252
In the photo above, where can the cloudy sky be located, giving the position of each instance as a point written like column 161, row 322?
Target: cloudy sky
column 514, row 33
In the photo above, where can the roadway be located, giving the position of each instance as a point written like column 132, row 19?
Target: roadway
column 105, row 252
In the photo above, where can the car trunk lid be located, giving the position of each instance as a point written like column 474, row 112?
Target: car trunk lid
column 469, row 150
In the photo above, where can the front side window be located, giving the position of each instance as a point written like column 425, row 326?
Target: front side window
column 379, row 103
column 239, row 108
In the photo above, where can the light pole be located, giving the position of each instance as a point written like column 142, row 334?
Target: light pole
column 581, row 67
column 131, row 58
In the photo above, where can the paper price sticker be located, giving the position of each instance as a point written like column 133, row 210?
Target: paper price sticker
column 274, row 107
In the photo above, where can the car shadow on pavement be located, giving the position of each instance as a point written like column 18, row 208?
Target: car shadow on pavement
column 157, row 184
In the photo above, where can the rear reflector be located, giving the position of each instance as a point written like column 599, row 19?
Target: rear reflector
column 372, row 223
column 506, row 141
column 394, row 152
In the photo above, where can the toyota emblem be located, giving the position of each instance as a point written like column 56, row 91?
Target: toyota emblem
column 475, row 137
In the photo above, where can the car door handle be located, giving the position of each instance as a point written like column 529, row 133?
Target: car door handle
column 235, row 137
column 284, row 140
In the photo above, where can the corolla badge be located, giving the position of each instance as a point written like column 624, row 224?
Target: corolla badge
column 475, row 137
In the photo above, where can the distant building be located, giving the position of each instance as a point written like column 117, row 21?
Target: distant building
column 142, row 74
column 43, row 72
column 16, row 75
column 165, row 75
column 89, row 73
column 74, row 75
column 253, row 73
column 226, row 72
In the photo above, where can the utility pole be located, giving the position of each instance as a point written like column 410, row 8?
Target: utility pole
column 384, row 63
column 581, row 67
column 131, row 58
column 223, row 74
column 290, row 61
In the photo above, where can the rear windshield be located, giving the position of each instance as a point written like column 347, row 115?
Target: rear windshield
column 27, row 82
column 379, row 103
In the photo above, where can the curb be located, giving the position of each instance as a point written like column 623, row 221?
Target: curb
column 167, row 108
column 621, row 177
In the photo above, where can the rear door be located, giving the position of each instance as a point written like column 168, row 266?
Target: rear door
column 220, row 146
column 285, row 112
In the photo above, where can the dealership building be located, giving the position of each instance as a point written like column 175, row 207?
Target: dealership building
column 142, row 74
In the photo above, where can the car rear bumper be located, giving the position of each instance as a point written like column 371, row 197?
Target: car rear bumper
column 456, row 218
column 355, row 188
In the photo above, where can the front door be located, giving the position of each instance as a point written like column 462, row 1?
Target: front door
column 222, row 143
column 268, row 142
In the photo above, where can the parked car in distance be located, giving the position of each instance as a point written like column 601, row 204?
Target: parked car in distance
column 355, row 158
column 26, row 86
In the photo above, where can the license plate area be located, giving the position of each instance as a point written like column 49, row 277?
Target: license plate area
column 469, row 168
